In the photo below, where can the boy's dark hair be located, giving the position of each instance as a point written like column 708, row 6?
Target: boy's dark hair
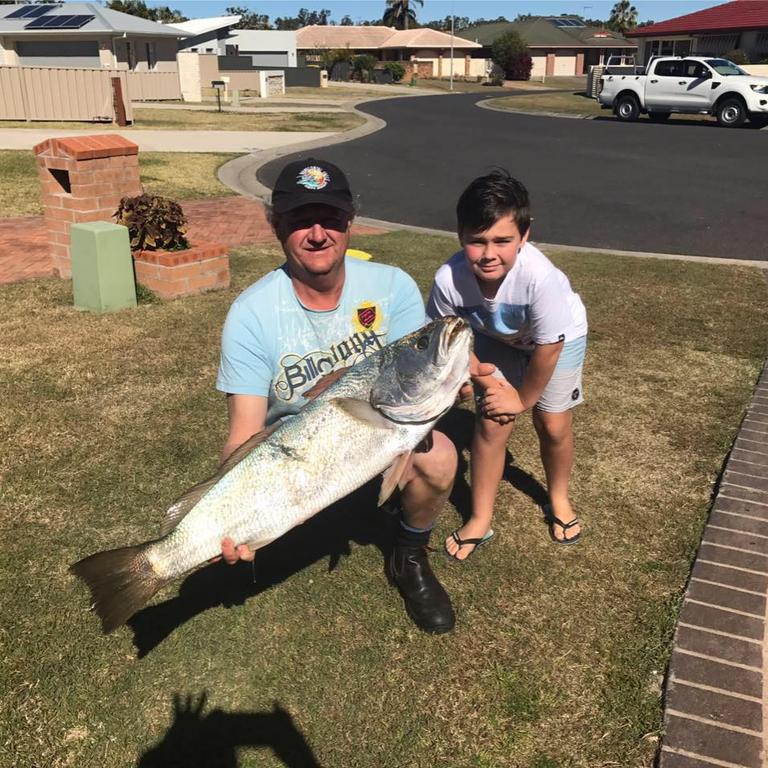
column 490, row 197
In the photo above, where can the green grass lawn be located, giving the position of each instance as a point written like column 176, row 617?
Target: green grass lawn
column 558, row 654
column 180, row 175
column 211, row 120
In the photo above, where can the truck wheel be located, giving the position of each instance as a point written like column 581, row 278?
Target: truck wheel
column 731, row 113
column 627, row 108
column 659, row 117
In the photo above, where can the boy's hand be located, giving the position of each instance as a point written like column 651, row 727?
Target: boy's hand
column 480, row 373
column 500, row 401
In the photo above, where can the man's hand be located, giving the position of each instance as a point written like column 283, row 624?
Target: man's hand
column 232, row 554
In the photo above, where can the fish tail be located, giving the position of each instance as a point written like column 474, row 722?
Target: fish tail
column 121, row 582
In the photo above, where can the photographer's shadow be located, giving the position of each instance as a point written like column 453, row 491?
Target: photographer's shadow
column 327, row 534
column 199, row 740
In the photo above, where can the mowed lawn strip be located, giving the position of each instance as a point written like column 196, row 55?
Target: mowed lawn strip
column 558, row 653
column 180, row 175
column 211, row 120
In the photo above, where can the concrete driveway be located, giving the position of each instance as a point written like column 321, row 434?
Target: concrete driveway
column 679, row 188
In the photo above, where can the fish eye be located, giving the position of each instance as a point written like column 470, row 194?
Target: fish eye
column 422, row 342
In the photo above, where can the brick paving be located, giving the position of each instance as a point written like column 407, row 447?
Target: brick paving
column 232, row 221
column 715, row 708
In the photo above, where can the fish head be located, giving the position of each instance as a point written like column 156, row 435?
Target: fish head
column 422, row 372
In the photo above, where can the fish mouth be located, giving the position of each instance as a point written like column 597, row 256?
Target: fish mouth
column 453, row 333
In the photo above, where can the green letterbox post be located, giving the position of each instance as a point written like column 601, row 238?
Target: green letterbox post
column 102, row 267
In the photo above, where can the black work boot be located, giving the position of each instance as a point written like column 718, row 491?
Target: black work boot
column 426, row 601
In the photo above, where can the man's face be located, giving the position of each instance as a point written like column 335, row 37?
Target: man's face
column 492, row 253
column 314, row 238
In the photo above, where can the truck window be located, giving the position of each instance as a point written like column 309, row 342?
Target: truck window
column 725, row 67
column 669, row 68
column 694, row 69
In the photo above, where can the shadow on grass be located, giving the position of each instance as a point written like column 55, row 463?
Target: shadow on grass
column 198, row 740
column 327, row 534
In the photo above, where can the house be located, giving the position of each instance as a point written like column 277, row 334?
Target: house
column 424, row 51
column 268, row 48
column 558, row 45
column 742, row 24
column 84, row 35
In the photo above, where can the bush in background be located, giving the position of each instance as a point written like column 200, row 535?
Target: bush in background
column 737, row 56
column 510, row 53
column 396, row 69
column 363, row 65
column 153, row 222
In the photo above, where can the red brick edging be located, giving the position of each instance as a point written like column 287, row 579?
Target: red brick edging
column 714, row 707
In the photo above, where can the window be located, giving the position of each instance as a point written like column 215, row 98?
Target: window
column 717, row 45
column 151, row 56
column 130, row 52
column 669, row 68
column 694, row 69
column 667, row 48
column 725, row 67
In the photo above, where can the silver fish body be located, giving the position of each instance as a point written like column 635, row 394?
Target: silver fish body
column 366, row 422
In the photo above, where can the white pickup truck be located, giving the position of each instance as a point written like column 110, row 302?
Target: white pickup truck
column 689, row 84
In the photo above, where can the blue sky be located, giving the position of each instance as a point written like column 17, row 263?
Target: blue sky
column 658, row 10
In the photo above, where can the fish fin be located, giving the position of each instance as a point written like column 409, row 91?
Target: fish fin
column 121, row 582
column 324, row 383
column 363, row 411
column 393, row 476
column 182, row 506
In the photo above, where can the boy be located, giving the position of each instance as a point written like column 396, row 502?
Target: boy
column 532, row 327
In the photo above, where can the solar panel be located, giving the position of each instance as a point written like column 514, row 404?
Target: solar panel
column 30, row 11
column 62, row 21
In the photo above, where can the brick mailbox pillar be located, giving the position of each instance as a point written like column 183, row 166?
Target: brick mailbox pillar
column 82, row 179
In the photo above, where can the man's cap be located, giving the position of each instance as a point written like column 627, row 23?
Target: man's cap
column 311, row 181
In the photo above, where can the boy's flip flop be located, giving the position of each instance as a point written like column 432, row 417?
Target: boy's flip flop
column 463, row 542
column 552, row 521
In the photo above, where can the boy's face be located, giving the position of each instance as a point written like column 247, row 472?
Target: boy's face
column 492, row 253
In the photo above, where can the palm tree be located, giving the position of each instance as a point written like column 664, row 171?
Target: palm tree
column 623, row 17
column 399, row 13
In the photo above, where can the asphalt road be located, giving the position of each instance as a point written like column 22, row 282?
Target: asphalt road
column 689, row 188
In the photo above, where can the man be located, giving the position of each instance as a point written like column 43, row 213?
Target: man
column 316, row 314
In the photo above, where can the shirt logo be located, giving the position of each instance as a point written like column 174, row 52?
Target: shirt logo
column 367, row 317
column 313, row 177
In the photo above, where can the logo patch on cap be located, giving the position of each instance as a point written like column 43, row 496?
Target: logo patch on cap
column 313, row 177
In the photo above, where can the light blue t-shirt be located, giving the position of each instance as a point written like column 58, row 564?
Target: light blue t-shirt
column 275, row 347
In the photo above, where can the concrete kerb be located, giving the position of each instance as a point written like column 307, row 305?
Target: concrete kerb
column 488, row 104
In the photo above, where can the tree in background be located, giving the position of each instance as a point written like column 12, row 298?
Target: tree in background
column 399, row 13
column 623, row 17
column 444, row 25
column 303, row 19
column 139, row 8
column 248, row 19
column 346, row 21
column 510, row 53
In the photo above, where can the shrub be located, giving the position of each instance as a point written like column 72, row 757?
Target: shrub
column 153, row 223
column 737, row 56
column 333, row 56
column 510, row 53
column 363, row 65
column 396, row 69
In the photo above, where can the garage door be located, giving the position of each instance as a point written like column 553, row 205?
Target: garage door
column 267, row 58
column 565, row 63
column 53, row 53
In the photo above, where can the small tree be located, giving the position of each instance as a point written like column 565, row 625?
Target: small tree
column 396, row 69
column 623, row 17
column 363, row 65
column 510, row 53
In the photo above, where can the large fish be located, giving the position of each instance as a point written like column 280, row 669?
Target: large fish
column 365, row 423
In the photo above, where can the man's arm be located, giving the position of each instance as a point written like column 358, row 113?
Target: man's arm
column 247, row 416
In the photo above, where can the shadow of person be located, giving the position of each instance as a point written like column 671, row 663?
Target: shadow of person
column 199, row 740
column 327, row 534
column 458, row 424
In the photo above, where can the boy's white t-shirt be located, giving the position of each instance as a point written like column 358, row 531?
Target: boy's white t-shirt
column 534, row 304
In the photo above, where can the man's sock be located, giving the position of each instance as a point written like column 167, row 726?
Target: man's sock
column 409, row 536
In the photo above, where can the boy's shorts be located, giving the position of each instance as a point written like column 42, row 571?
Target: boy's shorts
column 564, row 389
